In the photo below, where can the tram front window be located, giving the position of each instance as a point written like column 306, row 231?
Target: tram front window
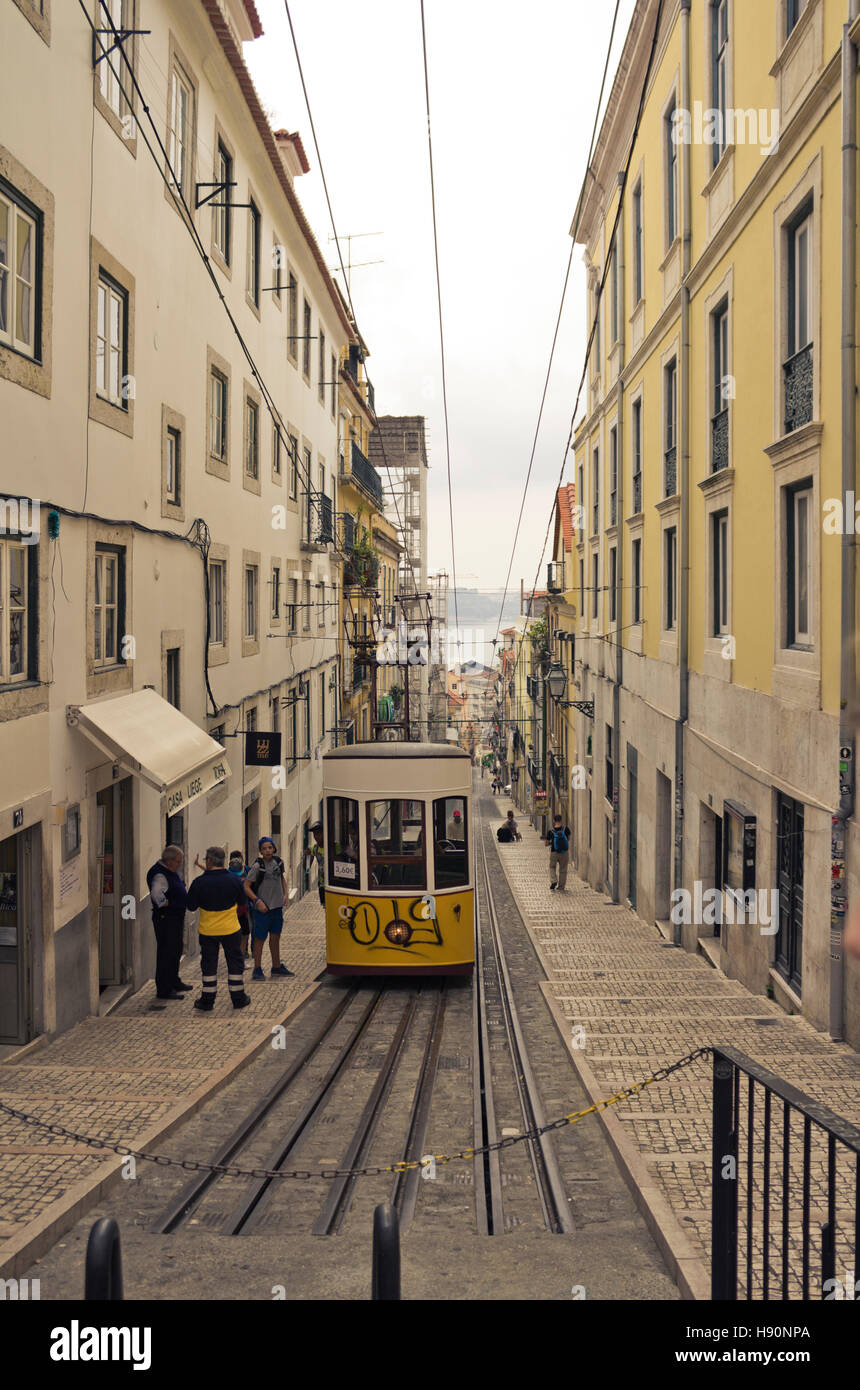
column 450, row 842
column 342, row 842
column 396, row 854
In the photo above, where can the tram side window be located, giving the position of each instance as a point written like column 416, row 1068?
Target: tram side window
column 395, row 834
column 342, row 842
column 450, row 842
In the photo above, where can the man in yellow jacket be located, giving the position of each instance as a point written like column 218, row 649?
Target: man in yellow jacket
column 217, row 893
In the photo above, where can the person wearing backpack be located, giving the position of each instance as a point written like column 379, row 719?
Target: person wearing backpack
column 558, row 840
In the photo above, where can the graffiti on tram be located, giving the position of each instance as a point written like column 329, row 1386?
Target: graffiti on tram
column 409, row 930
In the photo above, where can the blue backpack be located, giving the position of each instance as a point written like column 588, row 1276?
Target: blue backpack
column 559, row 842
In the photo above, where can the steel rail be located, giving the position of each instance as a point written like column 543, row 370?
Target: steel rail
column 405, row 1191
column 489, row 1208
column 550, row 1184
column 246, row 1213
column 342, row 1189
column 190, row 1196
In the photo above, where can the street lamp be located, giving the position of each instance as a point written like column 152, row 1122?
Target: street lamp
column 556, row 681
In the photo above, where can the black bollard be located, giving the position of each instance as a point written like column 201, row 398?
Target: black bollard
column 386, row 1253
column 103, row 1269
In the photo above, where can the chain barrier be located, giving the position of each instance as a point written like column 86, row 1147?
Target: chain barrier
column 193, row 1165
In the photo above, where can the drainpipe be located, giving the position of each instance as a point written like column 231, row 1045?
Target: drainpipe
column 619, row 553
column 848, row 680
column 683, row 473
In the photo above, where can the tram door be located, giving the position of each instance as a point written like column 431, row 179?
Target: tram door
column 14, row 942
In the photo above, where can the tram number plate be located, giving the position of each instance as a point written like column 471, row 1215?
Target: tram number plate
column 343, row 870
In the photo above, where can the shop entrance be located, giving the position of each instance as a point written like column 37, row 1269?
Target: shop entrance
column 113, row 856
column 15, row 902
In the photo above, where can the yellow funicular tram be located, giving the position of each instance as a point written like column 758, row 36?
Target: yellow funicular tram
column 398, row 860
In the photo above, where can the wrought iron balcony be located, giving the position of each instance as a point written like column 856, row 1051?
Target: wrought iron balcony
column 670, row 472
column 365, row 474
column 720, row 441
column 319, row 519
column 533, row 688
column 637, row 493
column 613, row 509
column 798, row 374
column 348, row 525
column 557, row 771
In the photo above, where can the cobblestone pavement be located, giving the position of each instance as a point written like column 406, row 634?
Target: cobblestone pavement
column 126, row 1076
column 643, row 1003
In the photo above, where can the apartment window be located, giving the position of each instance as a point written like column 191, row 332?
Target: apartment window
column 251, row 719
column 179, row 132
column 670, row 576
column 720, row 572
column 595, row 505
column 306, row 610
column 276, row 592
column 613, row 579
column 72, row 832
column 719, row 68
column 333, row 383
column 111, row 341
column 252, row 438
column 636, row 456
column 799, row 566
column 594, row 573
column 292, row 601
column 293, row 316
column 322, row 705
column 670, row 418
column 108, row 580
column 223, row 214
column 252, row 267
column 218, row 415
column 307, row 462
column 321, row 383
column 306, row 342
column 671, row 158
column 719, row 388
column 277, row 270
column 20, row 272
column 276, row 451
column 637, row 580
column 638, row 269
column 793, row 10
column 173, row 466
column 582, row 588
column 798, row 369
column 613, row 476
column 171, row 677
column 581, row 507
column 320, row 605
column 217, row 591
column 112, row 72
column 610, row 764
column 596, row 322
column 290, row 728
column 613, row 295
column 14, row 611
column 251, row 602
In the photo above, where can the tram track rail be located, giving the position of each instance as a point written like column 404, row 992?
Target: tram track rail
column 549, row 1184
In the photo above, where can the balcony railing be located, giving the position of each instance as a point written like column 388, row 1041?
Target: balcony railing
column 365, row 474
column 670, row 472
column 557, row 772
column 637, row 493
column 533, row 688
column 720, row 441
column 319, row 517
column 798, row 374
column 613, row 509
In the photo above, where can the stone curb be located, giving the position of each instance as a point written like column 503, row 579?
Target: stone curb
column 687, row 1269
column 18, row 1253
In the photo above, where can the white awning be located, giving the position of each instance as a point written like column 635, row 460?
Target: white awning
column 148, row 737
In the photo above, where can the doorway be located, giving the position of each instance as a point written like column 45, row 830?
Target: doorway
column 789, row 862
column 711, row 860
column 663, row 848
column 113, row 853
column 15, row 902
column 252, row 832
column 632, row 822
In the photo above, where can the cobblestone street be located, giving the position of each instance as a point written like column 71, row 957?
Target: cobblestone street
column 643, row 1003
column 130, row 1078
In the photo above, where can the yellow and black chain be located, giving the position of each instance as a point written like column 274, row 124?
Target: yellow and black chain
column 192, row 1165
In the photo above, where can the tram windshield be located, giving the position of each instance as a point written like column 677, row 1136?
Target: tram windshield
column 450, row 844
column 342, row 842
column 396, row 855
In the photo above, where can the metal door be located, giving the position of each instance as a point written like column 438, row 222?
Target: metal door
column 632, row 822
column 14, row 898
column 789, row 944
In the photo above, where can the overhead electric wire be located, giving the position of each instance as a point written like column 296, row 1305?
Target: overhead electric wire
column 558, row 317
column 441, row 327
column 599, row 296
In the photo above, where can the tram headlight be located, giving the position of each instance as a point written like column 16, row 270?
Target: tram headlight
column 399, row 933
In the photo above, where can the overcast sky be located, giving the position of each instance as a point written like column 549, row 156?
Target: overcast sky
column 512, row 95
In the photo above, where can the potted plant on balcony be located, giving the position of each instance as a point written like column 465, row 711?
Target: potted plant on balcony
column 362, row 567
column 396, row 693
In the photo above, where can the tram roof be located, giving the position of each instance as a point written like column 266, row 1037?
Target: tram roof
column 400, row 750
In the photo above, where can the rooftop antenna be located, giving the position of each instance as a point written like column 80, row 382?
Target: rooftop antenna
column 349, row 239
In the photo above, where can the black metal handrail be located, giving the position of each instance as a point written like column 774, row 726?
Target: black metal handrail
column 365, row 474
column 774, row 1174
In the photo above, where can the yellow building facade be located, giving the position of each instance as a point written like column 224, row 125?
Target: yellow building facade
column 717, row 435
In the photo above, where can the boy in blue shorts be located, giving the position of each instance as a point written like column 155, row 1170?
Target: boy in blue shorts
column 266, row 887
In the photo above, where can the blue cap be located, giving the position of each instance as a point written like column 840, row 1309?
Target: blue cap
column 266, row 840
